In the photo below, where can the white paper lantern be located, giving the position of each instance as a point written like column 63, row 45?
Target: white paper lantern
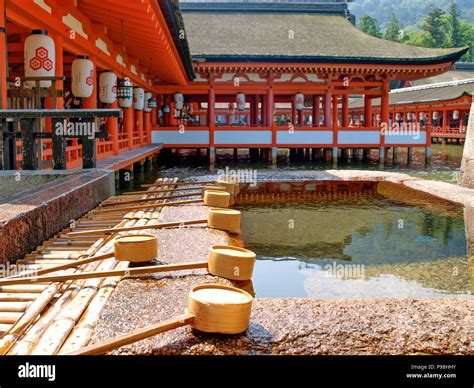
column 378, row 117
column 299, row 101
column 138, row 98
column 148, row 96
column 455, row 115
column 240, row 99
column 40, row 57
column 178, row 101
column 82, row 77
column 398, row 117
column 107, row 87
column 421, row 115
column 435, row 115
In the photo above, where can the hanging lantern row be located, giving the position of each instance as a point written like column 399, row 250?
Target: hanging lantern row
column 240, row 99
column 107, row 87
column 40, row 57
column 299, row 101
column 40, row 60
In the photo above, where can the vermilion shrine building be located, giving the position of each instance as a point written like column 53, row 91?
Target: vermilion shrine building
column 263, row 75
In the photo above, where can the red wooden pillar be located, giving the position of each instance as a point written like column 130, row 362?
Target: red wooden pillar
column 368, row 111
column 385, row 117
column 3, row 60
column 129, row 124
column 327, row 108
column 263, row 112
column 139, row 125
column 345, row 110
column 251, row 120
column 301, row 117
column 293, row 111
column 316, row 110
column 270, row 103
column 211, row 111
column 112, row 129
column 154, row 117
column 445, row 120
column 335, row 112
column 167, row 115
column 147, row 118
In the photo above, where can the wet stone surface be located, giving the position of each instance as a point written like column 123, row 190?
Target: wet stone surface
column 278, row 326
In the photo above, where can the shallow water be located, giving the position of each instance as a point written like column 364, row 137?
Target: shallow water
column 445, row 166
column 370, row 248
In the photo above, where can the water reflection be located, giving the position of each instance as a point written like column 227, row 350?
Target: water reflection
column 425, row 255
column 445, row 166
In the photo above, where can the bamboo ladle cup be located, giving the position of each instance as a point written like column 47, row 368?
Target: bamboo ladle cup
column 228, row 262
column 211, row 309
column 222, row 219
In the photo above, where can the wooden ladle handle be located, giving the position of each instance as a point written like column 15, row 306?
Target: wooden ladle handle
column 134, row 228
column 142, row 207
column 103, row 274
column 134, row 336
column 56, row 268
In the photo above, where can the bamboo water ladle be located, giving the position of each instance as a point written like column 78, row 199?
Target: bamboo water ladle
column 232, row 188
column 202, row 188
column 228, row 262
column 190, row 183
column 209, row 199
column 211, row 309
column 61, row 267
column 223, row 219
column 115, row 202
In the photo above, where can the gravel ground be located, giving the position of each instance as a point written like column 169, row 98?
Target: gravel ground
column 278, row 326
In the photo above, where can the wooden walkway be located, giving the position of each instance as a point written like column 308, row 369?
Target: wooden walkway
column 57, row 318
column 126, row 159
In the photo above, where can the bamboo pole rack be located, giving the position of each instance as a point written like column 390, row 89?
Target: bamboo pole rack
column 59, row 317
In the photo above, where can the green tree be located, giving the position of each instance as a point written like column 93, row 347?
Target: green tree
column 370, row 26
column 418, row 38
column 466, row 32
column 454, row 34
column 435, row 25
column 393, row 30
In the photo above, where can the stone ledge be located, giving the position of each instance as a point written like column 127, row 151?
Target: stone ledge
column 35, row 216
